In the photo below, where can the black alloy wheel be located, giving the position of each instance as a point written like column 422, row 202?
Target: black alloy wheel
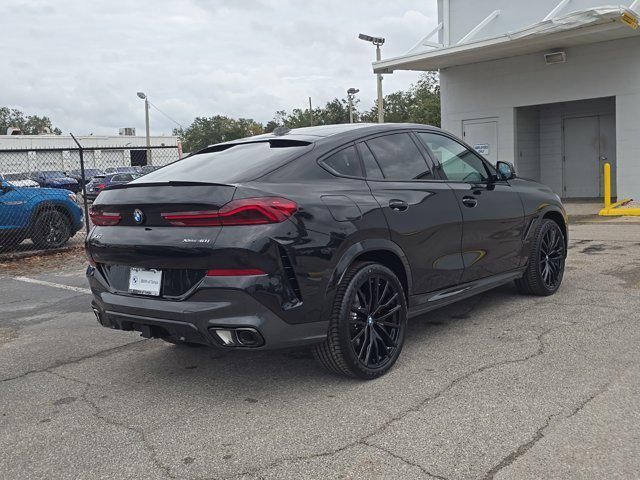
column 51, row 230
column 551, row 258
column 546, row 261
column 368, row 325
column 375, row 321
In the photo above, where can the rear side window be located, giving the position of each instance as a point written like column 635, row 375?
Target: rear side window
column 344, row 162
column 399, row 158
column 371, row 167
column 237, row 163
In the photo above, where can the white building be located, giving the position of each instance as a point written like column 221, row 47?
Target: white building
column 558, row 117
column 27, row 153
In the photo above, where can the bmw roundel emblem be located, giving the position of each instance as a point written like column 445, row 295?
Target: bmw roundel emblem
column 138, row 216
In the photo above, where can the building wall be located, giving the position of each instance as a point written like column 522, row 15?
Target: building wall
column 496, row 88
column 528, row 142
column 514, row 14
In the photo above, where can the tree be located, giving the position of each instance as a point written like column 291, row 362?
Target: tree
column 205, row 131
column 419, row 104
column 30, row 125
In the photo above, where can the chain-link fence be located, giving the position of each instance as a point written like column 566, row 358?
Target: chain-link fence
column 46, row 193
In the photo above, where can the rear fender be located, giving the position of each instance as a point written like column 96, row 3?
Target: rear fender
column 356, row 250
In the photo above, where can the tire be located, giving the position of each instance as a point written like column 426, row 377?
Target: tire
column 51, row 229
column 367, row 327
column 545, row 269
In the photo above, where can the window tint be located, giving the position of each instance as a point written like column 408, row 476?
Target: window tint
column 371, row 167
column 399, row 157
column 345, row 162
column 237, row 163
column 457, row 162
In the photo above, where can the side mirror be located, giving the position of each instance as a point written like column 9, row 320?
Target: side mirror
column 506, row 170
column 4, row 188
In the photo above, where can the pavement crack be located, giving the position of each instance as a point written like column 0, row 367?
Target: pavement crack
column 407, row 461
column 539, row 435
column 153, row 454
column 541, row 350
column 100, row 354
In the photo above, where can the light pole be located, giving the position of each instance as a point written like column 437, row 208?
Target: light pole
column 350, row 93
column 377, row 41
column 143, row 96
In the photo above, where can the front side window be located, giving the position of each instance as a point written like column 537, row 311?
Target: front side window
column 457, row 162
column 399, row 158
column 345, row 162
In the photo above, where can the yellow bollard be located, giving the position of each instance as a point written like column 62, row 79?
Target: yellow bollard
column 607, row 186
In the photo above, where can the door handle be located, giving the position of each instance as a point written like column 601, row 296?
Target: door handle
column 469, row 202
column 398, row 205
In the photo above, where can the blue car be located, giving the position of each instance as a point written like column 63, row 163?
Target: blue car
column 56, row 179
column 49, row 216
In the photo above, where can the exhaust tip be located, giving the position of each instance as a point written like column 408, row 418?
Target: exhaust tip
column 238, row 337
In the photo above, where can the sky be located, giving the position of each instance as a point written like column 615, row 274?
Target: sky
column 81, row 62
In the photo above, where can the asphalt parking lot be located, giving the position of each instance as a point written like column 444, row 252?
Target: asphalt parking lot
column 499, row 386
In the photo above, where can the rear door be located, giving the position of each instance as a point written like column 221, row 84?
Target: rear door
column 422, row 212
column 492, row 210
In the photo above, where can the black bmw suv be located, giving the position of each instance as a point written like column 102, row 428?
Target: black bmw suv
column 329, row 236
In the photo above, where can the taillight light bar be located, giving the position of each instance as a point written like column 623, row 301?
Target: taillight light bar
column 104, row 219
column 246, row 211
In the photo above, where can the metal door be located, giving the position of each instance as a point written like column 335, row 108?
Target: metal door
column 589, row 142
column 482, row 135
column 581, row 157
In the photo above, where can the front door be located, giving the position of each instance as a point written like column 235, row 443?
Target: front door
column 492, row 211
column 422, row 212
column 482, row 135
column 589, row 142
column 13, row 211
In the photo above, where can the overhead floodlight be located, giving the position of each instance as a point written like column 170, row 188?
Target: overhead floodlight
column 141, row 95
column 369, row 38
column 353, row 91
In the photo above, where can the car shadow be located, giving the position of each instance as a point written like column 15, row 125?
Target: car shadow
column 203, row 369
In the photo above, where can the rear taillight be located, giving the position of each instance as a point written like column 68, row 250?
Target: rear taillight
column 104, row 219
column 101, row 186
column 247, row 211
column 234, row 272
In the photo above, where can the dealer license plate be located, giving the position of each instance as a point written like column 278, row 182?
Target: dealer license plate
column 145, row 282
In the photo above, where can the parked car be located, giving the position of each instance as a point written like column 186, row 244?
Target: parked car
column 49, row 216
column 89, row 173
column 55, row 179
column 19, row 179
column 148, row 169
column 329, row 236
column 100, row 182
column 122, row 170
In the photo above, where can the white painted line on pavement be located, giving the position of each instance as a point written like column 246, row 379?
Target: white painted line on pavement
column 51, row 284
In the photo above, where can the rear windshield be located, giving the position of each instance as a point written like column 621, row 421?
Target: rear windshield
column 15, row 176
column 235, row 164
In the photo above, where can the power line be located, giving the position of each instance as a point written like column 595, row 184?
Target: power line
column 174, row 121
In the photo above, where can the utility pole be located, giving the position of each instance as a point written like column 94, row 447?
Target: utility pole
column 377, row 41
column 380, row 105
column 310, row 113
column 350, row 93
column 143, row 96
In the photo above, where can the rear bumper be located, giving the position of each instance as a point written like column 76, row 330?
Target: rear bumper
column 196, row 318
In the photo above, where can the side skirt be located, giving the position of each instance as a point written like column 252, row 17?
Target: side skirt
column 419, row 304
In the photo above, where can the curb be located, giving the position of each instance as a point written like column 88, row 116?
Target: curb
column 8, row 257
